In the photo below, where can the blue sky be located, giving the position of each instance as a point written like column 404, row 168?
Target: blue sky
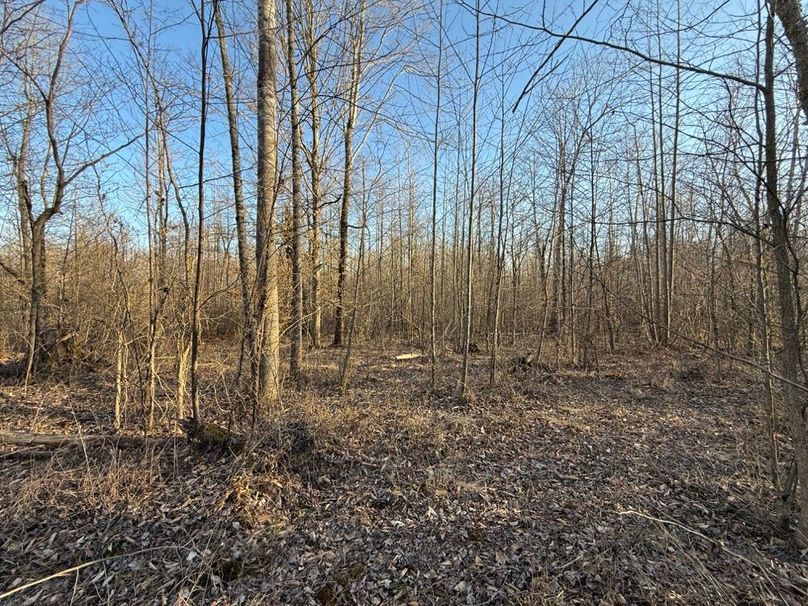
column 511, row 49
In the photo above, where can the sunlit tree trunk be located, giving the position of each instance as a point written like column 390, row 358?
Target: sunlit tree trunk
column 462, row 389
column 790, row 357
column 315, row 161
column 245, row 272
column 296, row 329
column 266, row 358
column 433, row 255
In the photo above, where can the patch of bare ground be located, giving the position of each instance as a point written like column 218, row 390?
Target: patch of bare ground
column 640, row 483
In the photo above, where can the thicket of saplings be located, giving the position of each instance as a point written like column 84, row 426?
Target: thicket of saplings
column 101, row 318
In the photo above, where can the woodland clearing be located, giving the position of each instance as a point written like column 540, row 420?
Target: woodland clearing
column 635, row 484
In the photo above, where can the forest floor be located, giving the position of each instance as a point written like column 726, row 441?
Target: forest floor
column 641, row 482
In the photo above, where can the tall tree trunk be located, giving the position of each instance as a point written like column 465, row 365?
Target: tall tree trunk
column 671, row 264
column 345, row 367
column 296, row 350
column 245, row 273
column 196, row 321
column 462, row 388
column 499, row 245
column 662, row 214
column 266, row 359
column 433, row 255
column 25, row 209
column 312, row 69
column 790, row 358
column 357, row 41
column 154, row 295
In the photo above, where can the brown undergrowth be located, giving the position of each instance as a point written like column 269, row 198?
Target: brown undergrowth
column 640, row 483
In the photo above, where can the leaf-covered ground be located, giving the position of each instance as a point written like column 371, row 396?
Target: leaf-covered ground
column 643, row 482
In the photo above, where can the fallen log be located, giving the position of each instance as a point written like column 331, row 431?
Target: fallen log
column 15, row 438
column 408, row 356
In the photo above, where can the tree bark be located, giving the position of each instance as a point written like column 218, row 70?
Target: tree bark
column 796, row 29
column 11, row 438
column 312, row 68
column 790, row 357
column 433, row 255
column 266, row 359
column 296, row 350
column 196, row 322
column 462, row 388
column 245, row 272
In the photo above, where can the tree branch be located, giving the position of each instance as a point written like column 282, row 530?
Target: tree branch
column 695, row 69
column 13, row 272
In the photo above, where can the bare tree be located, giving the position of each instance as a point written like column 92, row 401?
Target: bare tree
column 356, row 37
column 296, row 350
column 434, row 243
column 245, row 270
column 58, row 168
column 205, row 24
column 781, row 244
column 266, row 357
column 462, row 388
column 315, row 160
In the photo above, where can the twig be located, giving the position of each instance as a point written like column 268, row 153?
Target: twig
column 691, row 531
column 73, row 569
column 757, row 565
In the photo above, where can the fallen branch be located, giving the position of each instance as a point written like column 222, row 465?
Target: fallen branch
column 12, row 438
column 73, row 569
column 717, row 543
column 409, row 356
column 703, row 536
